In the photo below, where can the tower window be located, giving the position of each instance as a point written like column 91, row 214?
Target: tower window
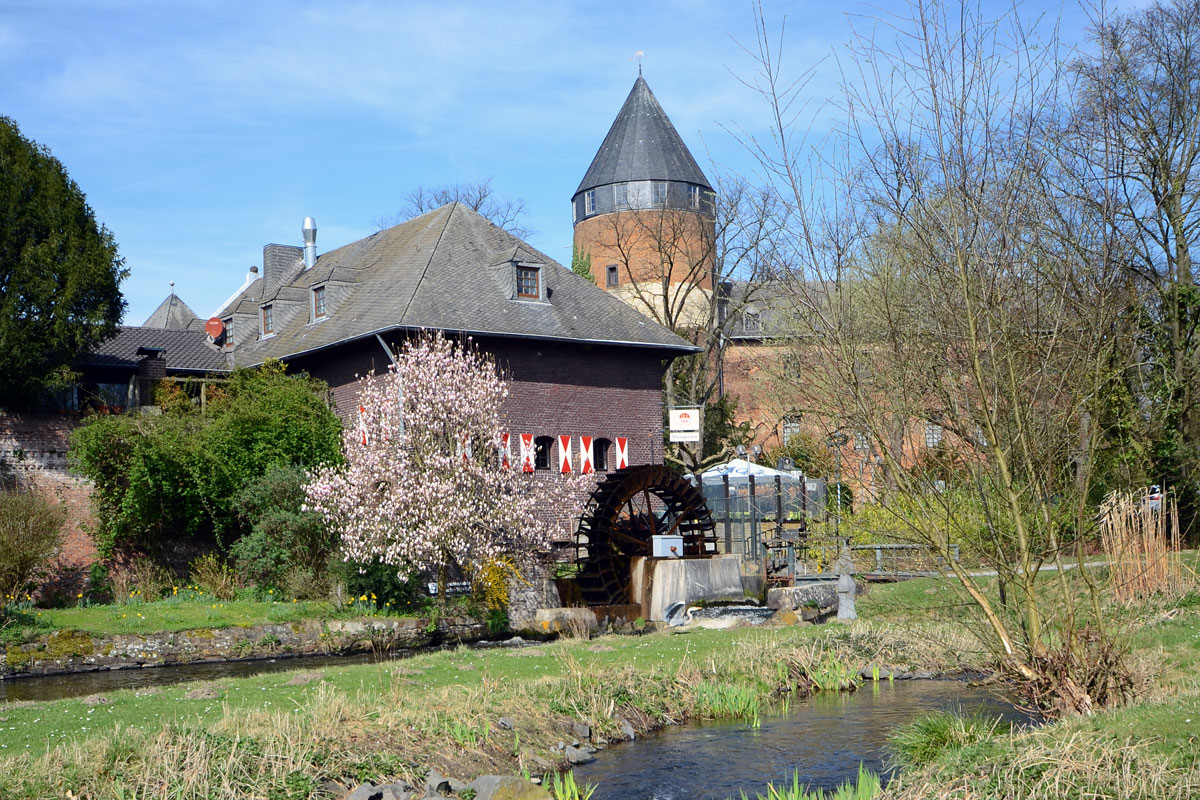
column 621, row 195
column 611, row 278
column 319, row 302
column 527, row 283
column 268, row 321
column 542, row 446
column 660, row 193
column 694, row 196
column 589, row 202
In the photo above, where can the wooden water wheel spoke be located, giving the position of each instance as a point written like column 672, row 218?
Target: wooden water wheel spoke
column 613, row 528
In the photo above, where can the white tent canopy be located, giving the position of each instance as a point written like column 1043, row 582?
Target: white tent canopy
column 741, row 469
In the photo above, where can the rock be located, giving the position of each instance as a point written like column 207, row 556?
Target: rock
column 581, row 730
column 437, row 783
column 505, row 723
column 601, row 648
column 783, row 617
column 506, row 787
column 577, row 755
column 305, row 678
column 367, row 791
column 626, row 729
column 95, row 700
column 205, row 691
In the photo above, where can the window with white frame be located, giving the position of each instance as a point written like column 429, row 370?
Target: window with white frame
column 228, row 323
column 621, row 196
column 693, row 196
column 751, row 321
column 933, row 434
column 589, row 202
column 790, row 429
column 862, row 443
column 659, row 195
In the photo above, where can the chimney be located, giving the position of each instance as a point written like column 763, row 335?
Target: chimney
column 310, row 242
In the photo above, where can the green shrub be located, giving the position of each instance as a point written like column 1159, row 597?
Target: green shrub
column 285, row 545
column 390, row 591
column 214, row 577
column 159, row 479
column 31, row 535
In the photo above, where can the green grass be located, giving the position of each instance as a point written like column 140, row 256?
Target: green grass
column 195, row 612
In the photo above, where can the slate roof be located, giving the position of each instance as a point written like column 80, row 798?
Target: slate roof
column 171, row 314
column 449, row 269
column 641, row 145
column 186, row 351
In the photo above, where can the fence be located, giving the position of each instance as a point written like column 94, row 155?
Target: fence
column 751, row 510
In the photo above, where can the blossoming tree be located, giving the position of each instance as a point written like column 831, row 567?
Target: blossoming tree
column 425, row 482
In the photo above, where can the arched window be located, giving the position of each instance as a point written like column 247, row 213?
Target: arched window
column 600, row 449
column 542, row 447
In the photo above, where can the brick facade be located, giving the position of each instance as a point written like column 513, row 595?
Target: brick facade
column 556, row 389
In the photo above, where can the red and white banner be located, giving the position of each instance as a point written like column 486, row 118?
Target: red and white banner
column 585, row 454
column 364, row 436
column 622, row 453
column 504, row 451
column 526, row 452
column 564, row 452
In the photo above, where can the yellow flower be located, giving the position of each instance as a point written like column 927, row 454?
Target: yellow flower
column 79, row 595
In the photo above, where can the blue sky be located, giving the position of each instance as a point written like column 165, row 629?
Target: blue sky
column 202, row 130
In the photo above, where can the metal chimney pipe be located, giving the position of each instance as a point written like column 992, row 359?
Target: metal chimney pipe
column 310, row 242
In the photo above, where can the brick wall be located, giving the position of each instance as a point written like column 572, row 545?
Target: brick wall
column 557, row 389
column 35, row 449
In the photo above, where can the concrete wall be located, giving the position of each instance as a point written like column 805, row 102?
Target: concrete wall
column 659, row 582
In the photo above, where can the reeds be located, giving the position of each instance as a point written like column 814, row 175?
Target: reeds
column 866, row 787
column 1140, row 536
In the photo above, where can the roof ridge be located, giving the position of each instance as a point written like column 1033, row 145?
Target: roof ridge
column 425, row 269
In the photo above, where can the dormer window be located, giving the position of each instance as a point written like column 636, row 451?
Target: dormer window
column 319, row 302
column 751, row 322
column 268, row 321
column 528, row 283
column 228, row 321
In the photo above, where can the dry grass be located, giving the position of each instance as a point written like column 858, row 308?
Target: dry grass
column 1142, row 543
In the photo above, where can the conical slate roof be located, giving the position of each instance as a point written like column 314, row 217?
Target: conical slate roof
column 172, row 314
column 642, row 145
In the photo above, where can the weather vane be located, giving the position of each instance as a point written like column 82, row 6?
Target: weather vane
column 639, row 55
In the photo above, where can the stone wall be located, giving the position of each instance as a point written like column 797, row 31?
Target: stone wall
column 34, row 449
column 77, row 651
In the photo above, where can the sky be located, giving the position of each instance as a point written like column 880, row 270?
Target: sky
column 201, row 131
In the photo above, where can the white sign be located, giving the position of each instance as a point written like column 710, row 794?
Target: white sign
column 685, row 436
column 685, row 419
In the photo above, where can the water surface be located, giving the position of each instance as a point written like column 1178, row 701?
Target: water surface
column 824, row 739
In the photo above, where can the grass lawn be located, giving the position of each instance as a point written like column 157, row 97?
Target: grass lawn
column 189, row 609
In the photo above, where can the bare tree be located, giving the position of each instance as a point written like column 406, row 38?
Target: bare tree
column 1136, row 129
column 695, row 275
column 477, row 195
column 945, row 310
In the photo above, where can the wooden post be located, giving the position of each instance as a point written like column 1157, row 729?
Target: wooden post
column 753, row 503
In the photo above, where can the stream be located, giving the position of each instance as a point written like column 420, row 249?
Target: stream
column 823, row 738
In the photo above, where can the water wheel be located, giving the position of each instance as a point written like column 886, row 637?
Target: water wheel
column 625, row 510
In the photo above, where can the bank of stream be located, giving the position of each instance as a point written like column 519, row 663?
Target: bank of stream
column 823, row 738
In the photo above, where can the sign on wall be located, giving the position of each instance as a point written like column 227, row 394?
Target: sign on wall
column 685, row 424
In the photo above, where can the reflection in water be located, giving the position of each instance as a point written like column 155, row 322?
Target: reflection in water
column 824, row 738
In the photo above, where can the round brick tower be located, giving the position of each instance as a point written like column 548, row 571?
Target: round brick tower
column 644, row 214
